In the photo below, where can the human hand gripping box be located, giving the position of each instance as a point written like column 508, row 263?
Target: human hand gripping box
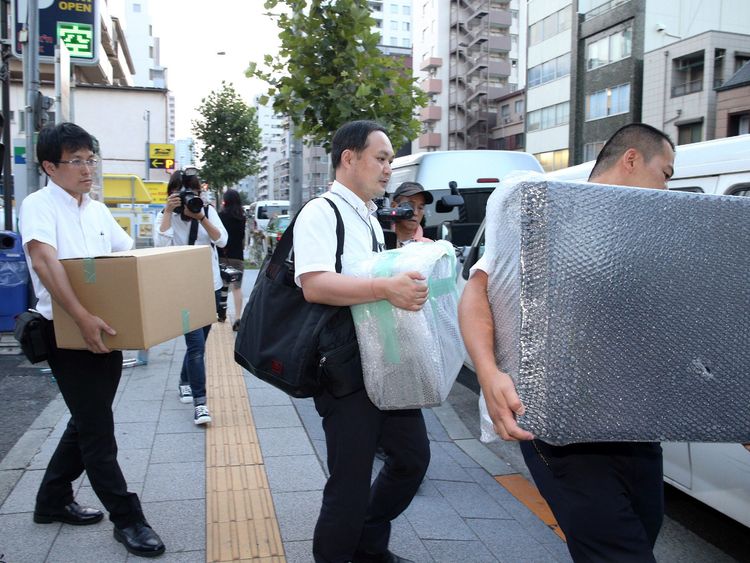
column 148, row 295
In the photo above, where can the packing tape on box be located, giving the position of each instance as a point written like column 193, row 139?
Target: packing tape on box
column 89, row 270
column 383, row 310
column 185, row 321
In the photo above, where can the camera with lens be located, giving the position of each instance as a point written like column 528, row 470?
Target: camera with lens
column 189, row 200
column 401, row 212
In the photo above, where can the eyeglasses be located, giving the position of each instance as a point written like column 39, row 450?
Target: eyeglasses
column 79, row 163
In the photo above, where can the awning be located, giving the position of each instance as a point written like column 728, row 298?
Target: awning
column 124, row 188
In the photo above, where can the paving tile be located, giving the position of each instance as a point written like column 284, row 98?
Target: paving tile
column 184, row 533
column 267, row 396
column 458, row 455
column 143, row 390
column 23, row 496
column 435, row 429
column 443, row 466
column 560, row 552
column 452, row 423
column 484, row 457
column 175, row 481
column 406, row 543
column 470, row 500
column 137, row 411
column 295, row 473
column 135, row 435
column 15, row 531
column 298, row 551
column 435, row 518
column 284, row 441
column 443, row 551
column 177, row 420
column 186, row 446
column 496, row 491
column 322, row 452
column 42, row 457
column 275, row 416
column 297, row 513
column 509, row 541
column 80, row 543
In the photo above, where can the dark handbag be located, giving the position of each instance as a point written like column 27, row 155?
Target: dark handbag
column 283, row 339
column 30, row 333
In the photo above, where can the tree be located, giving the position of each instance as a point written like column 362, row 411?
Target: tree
column 229, row 137
column 329, row 71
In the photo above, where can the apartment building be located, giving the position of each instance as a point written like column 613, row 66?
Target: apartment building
column 393, row 22
column 682, row 81
column 733, row 104
column 466, row 54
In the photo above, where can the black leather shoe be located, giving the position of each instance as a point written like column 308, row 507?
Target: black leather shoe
column 139, row 539
column 73, row 513
column 387, row 557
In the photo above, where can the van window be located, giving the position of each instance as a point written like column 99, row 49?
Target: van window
column 691, row 189
column 740, row 190
column 268, row 211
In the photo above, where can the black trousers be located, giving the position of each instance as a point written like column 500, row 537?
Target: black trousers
column 355, row 515
column 608, row 498
column 88, row 383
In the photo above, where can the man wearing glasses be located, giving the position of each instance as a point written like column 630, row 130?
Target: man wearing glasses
column 62, row 221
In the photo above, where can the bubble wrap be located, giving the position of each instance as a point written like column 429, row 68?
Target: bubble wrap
column 622, row 314
column 410, row 359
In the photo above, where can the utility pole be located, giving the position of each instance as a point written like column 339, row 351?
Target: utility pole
column 5, row 76
column 31, row 87
column 147, row 117
column 295, row 171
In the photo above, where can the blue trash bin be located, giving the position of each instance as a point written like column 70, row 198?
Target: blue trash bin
column 14, row 280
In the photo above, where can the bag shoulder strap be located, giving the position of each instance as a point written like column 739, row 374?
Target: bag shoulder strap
column 286, row 244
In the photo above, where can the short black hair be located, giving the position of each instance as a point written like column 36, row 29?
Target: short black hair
column 54, row 139
column 647, row 140
column 352, row 136
column 179, row 180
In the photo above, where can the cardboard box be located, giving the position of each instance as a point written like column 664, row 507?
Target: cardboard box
column 148, row 296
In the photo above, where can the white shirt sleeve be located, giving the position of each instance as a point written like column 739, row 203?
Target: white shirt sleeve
column 37, row 221
column 314, row 240
column 162, row 238
column 216, row 221
column 484, row 264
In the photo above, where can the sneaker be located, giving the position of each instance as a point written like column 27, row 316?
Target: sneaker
column 202, row 416
column 236, row 326
column 186, row 394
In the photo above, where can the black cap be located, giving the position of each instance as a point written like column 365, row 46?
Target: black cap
column 407, row 189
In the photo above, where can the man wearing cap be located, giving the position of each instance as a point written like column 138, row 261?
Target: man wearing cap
column 410, row 230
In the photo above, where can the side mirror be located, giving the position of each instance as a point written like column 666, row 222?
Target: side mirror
column 448, row 202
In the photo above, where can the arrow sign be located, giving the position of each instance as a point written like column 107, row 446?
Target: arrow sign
column 162, row 163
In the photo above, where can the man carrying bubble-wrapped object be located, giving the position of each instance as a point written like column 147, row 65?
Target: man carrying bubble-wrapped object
column 602, row 320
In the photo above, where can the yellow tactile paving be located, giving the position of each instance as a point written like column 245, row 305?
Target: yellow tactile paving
column 241, row 522
column 529, row 495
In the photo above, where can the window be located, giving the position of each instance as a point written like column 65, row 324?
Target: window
column 549, row 70
column 394, row 8
column 739, row 190
column 739, row 60
column 608, row 49
column 406, row 10
column 689, row 133
column 549, row 26
column 546, row 118
column 553, row 160
column 505, row 112
column 591, row 150
column 687, row 74
column 136, row 8
column 519, row 107
column 394, row 25
column 610, row 101
column 394, row 41
column 406, row 26
column 406, row 43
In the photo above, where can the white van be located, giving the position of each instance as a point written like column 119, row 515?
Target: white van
column 262, row 210
column 475, row 173
column 715, row 474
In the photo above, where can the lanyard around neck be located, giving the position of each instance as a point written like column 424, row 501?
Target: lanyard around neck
column 375, row 244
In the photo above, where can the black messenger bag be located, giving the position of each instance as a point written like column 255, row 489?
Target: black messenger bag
column 296, row 346
column 31, row 335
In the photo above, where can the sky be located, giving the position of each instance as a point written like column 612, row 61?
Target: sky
column 191, row 34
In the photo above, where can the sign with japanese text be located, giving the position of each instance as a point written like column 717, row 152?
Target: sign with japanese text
column 76, row 24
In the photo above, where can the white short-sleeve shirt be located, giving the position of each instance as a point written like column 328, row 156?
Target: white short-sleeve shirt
column 315, row 233
column 52, row 216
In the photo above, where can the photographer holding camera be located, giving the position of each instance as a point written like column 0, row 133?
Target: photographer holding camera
column 406, row 212
column 186, row 221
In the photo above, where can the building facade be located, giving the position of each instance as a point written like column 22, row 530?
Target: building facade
column 733, row 104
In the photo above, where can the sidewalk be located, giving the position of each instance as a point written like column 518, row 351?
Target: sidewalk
column 208, row 491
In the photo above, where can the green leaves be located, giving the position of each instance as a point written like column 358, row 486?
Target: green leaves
column 229, row 137
column 329, row 70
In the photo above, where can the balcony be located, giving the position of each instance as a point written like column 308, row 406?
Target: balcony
column 499, row 44
column 429, row 141
column 687, row 88
column 500, row 18
column 430, row 64
column 432, row 86
column 430, row 114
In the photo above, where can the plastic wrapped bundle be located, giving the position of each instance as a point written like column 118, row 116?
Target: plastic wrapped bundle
column 623, row 314
column 410, row 359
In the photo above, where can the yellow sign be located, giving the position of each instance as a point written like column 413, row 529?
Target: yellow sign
column 124, row 222
column 160, row 151
column 157, row 191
